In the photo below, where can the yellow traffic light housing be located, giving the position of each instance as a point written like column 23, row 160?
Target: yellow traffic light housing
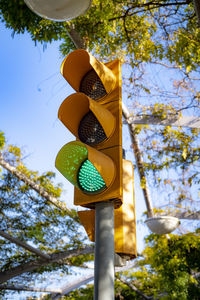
column 76, row 67
column 86, row 168
column 125, row 225
column 102, row 84
column 78, row 110
column 94, row 116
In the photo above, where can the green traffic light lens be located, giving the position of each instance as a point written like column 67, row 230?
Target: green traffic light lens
column 89, row 179
column 73, row 163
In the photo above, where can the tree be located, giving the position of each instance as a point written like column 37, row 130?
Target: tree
column 158, row 42
column 36, row 237
column 174, row 262
column 159, row 78
column 169, row 269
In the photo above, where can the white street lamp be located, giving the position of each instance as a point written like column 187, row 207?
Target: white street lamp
column 58, row 10
column 162, row 224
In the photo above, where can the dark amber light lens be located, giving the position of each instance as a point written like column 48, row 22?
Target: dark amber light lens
column 92, row 86
column 90, row 130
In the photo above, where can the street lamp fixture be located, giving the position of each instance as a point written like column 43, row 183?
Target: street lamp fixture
column 162, row 224
column 59, row 10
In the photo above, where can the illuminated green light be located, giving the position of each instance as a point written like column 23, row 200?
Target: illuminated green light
column 89, row 179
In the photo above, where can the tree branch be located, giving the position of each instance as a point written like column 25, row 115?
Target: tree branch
column 34, row 264
column 39, row 189
column 75, row 37
column 139, row 161
column 197, row 10
column 26, row 288
column 133, row 287
column 145, row 7
column 186, row 215
column 24, row 245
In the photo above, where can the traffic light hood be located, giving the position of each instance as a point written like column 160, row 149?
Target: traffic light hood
column 77, row 105
column 70, row 160
column 78, row 63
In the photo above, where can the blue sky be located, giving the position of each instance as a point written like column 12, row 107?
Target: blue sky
column 32, row 90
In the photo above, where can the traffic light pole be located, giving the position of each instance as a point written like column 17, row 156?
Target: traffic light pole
column 104, row 251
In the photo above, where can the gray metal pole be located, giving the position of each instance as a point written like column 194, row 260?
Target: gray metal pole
column 104, row 251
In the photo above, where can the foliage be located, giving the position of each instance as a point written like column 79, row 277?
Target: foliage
column 169, row 270
column 18, row 17
column 82, row 293
column 173, row 158
column 158, row 76
column 27, row 216
column 113, row 27
column 159, row 45
column 122, row 292
column 173, row 262
column 2, row 140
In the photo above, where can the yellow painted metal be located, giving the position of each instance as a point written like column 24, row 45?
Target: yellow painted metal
column 104, row 165
column 77, row 105
column 113, row 102
column 115, row 191
column 125, row 225
column 112, row 147
column 87, row 219
column 78, row 63
column 125, row 233
column 105, row 118
column 72, row 110
column 108, row 111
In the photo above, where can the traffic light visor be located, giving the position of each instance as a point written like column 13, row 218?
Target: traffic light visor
column 78, row 64
column 86, row 168
column 89, row 121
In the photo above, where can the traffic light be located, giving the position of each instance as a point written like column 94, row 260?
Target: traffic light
column 125, row 225
column 92, row 163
